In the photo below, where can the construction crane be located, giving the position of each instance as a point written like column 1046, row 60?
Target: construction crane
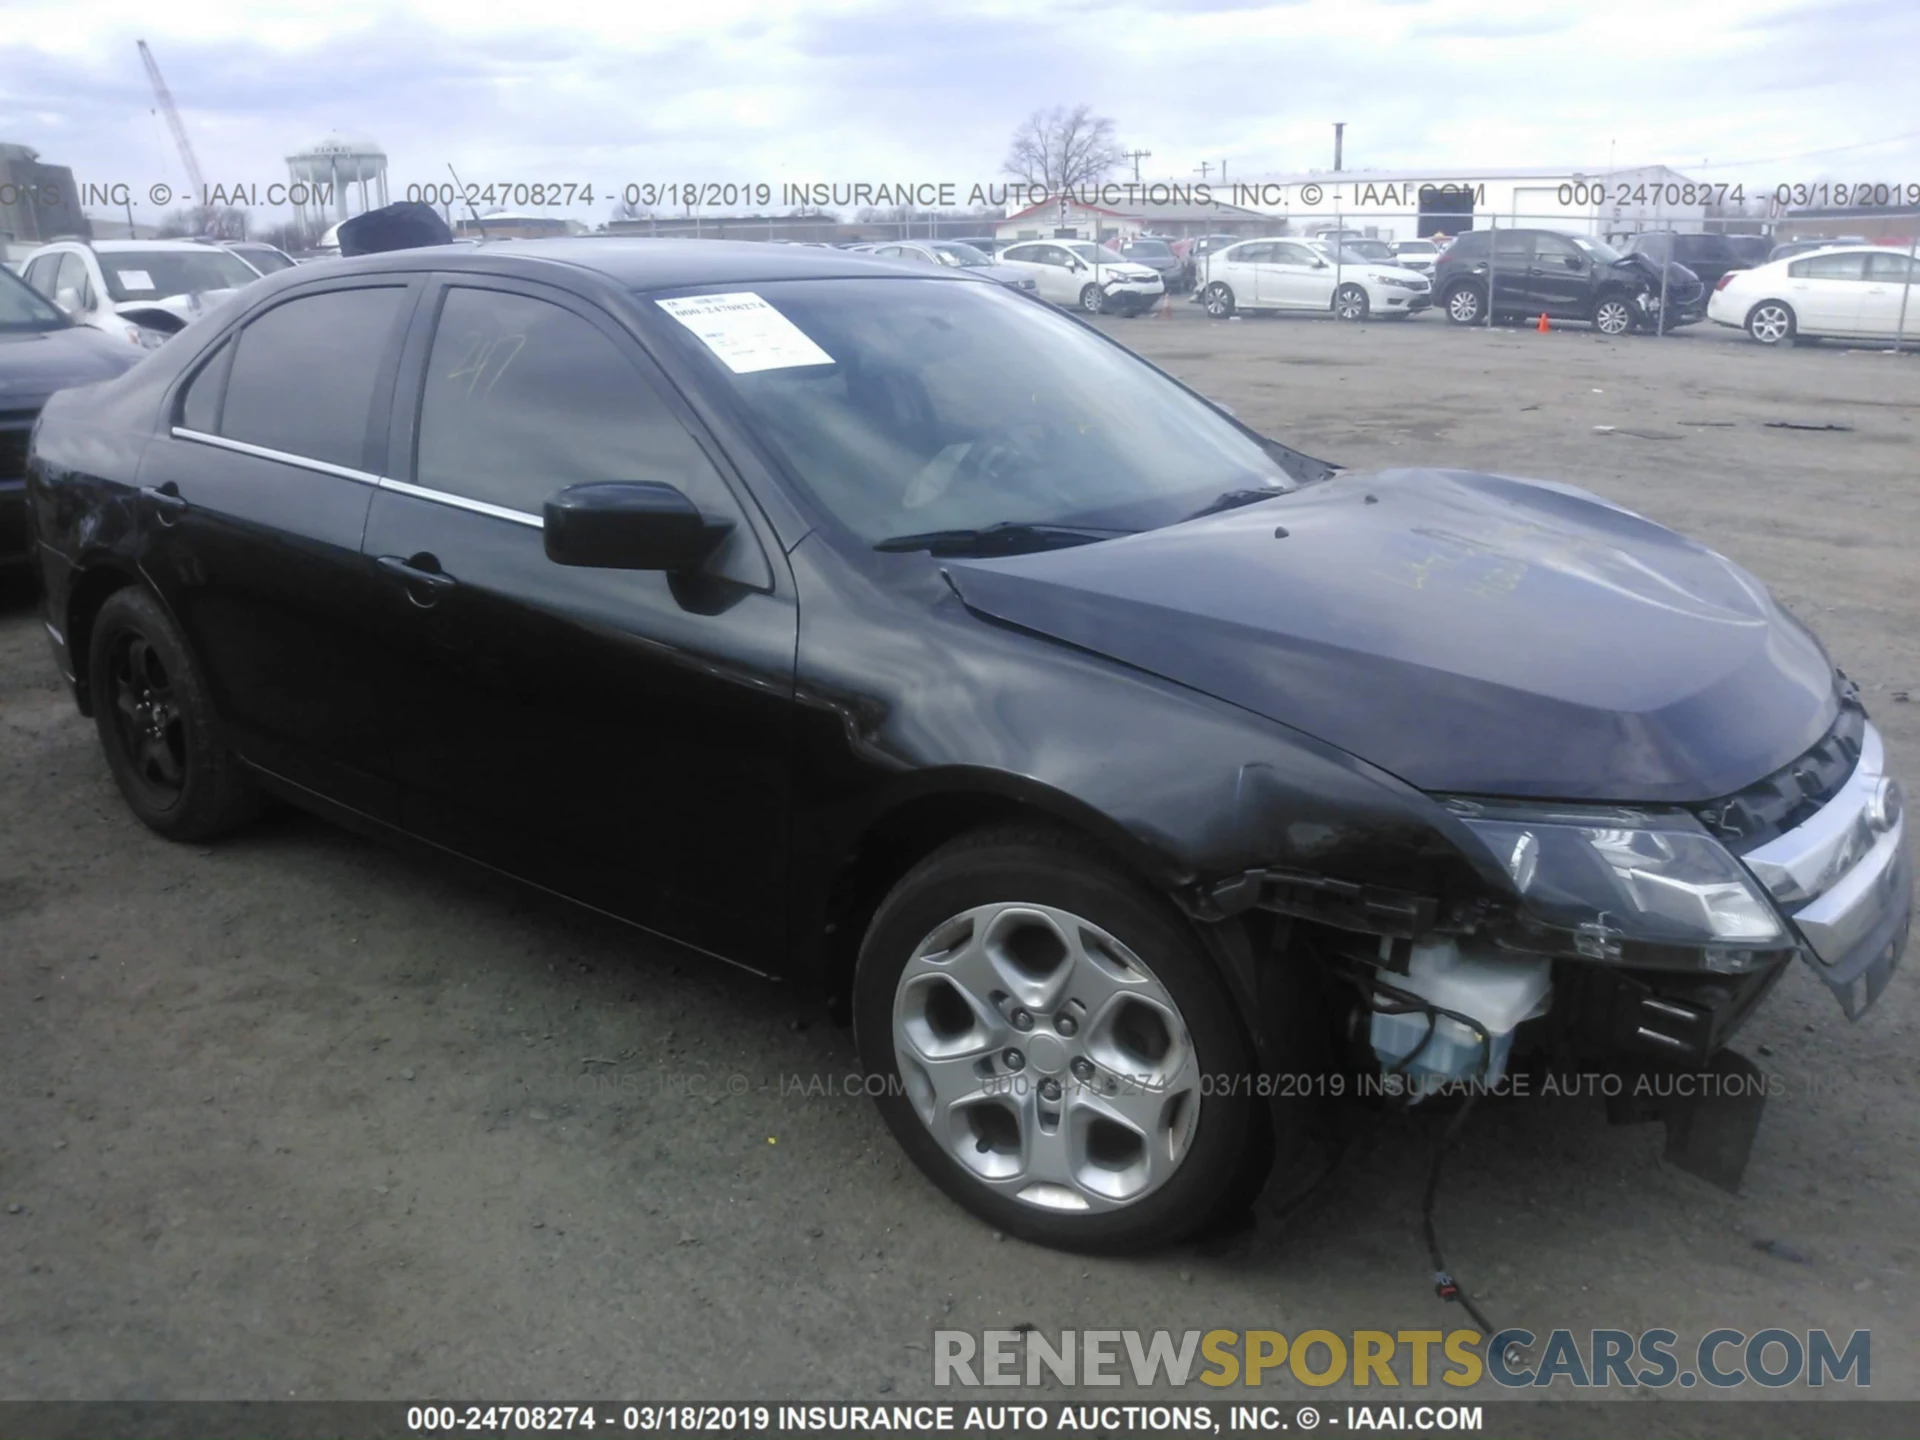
column 172, row 113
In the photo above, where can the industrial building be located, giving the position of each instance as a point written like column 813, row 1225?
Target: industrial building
column 37, row 202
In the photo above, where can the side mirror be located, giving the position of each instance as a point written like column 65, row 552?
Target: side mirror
column 630, row 525
column 1319, row 264
column 68, row 300
column 1572, row 262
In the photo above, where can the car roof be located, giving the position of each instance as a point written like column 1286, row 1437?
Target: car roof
column 640, row 264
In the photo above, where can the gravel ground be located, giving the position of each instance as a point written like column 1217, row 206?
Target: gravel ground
column 302, row 1116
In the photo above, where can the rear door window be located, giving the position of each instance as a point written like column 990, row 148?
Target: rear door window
column 303, row 376
column 1849, row 265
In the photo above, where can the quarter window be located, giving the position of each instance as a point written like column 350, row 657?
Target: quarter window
column 200, row 407
column 304, row 374
column 524, row 398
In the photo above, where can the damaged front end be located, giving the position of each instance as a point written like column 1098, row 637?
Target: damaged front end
column 1634, row 939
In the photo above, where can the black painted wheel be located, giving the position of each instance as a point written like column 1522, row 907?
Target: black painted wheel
column 157, row 725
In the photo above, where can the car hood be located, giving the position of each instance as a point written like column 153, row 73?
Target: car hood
column 1470, row 633
column 1005, row 274
column 182, row 307
column 1378, row 270
column 1129, row 270
column 33, row 366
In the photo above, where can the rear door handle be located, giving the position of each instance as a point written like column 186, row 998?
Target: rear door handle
column 167, row 502
column 422, row 576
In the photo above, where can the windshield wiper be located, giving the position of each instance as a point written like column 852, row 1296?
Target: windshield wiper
column 1232, row 500
column 1004, row 537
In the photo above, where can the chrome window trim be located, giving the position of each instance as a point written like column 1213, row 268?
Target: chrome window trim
column 461, row 502
column 262, row 452
column 342, row 472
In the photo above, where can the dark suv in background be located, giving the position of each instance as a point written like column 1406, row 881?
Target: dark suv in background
column 1566, row 277
column 1156, row 253
column 1708, row 256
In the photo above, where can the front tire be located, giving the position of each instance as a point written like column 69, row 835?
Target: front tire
column 1092, row 300
column 1773, row 322
column 1613, row 315
column 1464, row 306
column 1350, row 303
column 1219, row 301
column 1046, row 1039
column 157, row 725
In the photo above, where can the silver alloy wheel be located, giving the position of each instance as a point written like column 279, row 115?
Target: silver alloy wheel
column 1046, row 1058
column 1219, row 301
column 1350, row 303
column 1463, row 305
column 1614, row 316
column 1770, row 323
column 1092, row 300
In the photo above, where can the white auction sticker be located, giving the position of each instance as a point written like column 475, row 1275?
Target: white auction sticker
column 746, row 332
column 134, row 279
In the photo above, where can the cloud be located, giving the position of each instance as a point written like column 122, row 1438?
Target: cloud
column 575, row 91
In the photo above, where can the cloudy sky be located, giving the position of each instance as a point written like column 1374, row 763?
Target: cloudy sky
column 903, row 90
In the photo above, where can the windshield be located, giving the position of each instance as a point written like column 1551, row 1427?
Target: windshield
column 1417, row 247
column 263, row 258
column 156, row 274
column 22, row 309
column 1600, row 251
column 1157, row 248
column 956, row 252
column 940, row 406
column 1099, row 254
column 1371, row 249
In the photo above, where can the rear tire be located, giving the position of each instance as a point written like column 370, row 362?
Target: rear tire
column 157, row 725
column 1773, row 321
column 1006, row 982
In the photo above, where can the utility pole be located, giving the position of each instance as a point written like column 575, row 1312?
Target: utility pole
column 1137, row 156
column 1206, row 166
column 1339, row 142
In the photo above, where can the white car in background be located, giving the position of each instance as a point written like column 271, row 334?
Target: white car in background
column 140, row 291
column 1083, row 274
column 1290, row 274
column 1416, row 255
column 1847, row 292
column 957, row 255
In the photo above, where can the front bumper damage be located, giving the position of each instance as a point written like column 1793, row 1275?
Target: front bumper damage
column 1832, row 854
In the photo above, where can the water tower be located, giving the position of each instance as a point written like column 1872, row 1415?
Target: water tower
column 353, row 166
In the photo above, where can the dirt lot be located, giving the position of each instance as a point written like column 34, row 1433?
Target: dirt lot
column 297, row 1115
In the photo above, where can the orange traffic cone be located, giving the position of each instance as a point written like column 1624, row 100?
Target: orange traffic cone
column 1166, row 306
column 1543, row 327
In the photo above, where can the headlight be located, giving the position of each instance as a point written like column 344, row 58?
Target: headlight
column 1395, row 282
column 146, row 339
column 1605, row 876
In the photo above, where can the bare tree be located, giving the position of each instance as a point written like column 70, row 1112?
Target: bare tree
column 632, row 210
column 1061, row 148
column 218, row 222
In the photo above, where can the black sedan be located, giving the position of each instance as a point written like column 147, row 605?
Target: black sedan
column 41, row 351
column 1123, row 769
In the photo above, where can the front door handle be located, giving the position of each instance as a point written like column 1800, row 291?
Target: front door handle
column 425, row 582
column 167, row 502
